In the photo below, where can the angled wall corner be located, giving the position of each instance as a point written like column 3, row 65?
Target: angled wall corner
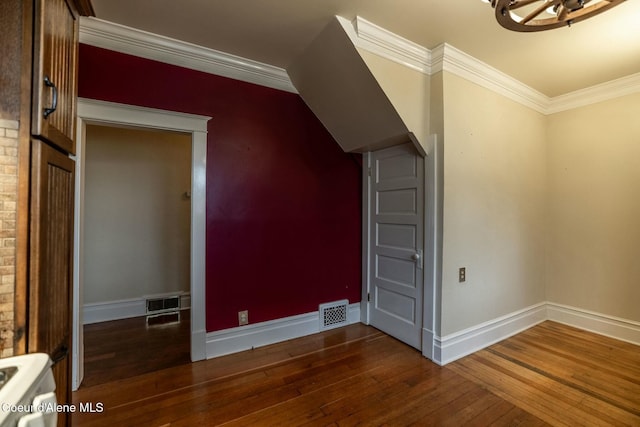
column 337, row 84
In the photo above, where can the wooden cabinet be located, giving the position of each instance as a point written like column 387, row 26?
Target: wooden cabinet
column 53, row 122
column 55, row 65
column 52, row 184
column 39, row 51
column 51, row 263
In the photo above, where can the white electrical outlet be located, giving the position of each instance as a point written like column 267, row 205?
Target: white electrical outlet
column 243, row 317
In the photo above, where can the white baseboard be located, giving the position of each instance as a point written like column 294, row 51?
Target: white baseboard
column 220, row 343
column 122, row 309
column 454, row 346
column 113, row 310
column 441, row 350
column 198, row 345
column 614, row 327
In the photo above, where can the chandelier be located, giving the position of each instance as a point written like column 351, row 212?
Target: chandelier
column 540, row 15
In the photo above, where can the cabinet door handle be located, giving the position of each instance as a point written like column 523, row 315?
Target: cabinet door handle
column 54, row 102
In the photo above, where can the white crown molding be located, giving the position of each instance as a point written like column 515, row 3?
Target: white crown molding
column 365, row 35
column 119, row 38
column 386, row 44
column 594, row 94
column 381, row 42
column 448, row 58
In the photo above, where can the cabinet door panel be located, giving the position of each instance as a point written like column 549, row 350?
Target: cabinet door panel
column 51, row 261
column 55, row 63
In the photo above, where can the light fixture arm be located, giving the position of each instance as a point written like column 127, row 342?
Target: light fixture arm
column 540, row 15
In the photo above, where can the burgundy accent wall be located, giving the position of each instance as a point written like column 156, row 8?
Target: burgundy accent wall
column 283, row 200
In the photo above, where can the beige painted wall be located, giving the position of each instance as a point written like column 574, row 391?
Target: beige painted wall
column 494, row 205
column 537, row 208
column 594, row 208
column 408, row 90
column 137, row 220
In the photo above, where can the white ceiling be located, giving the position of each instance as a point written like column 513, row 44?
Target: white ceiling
column 600, row 49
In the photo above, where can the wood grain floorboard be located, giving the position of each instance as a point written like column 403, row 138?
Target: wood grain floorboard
column 127, row 348
column 563, row 375
column 548, row 375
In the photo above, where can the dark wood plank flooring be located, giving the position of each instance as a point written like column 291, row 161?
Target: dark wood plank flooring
column 127, row 348
column 548, row 375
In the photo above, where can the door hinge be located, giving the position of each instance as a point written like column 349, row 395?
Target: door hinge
column 369, row 171
column 368, row 297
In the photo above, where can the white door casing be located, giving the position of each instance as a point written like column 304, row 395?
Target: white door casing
column 108, row 113
column 396, row 242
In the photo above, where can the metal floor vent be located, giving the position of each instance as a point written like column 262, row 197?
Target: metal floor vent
column 163, row 310
column 333, row 314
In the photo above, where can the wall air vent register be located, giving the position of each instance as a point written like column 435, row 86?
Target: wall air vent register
column 333, row 314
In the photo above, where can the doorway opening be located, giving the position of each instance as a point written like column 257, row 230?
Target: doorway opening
column 91, row 112
column 135, row 251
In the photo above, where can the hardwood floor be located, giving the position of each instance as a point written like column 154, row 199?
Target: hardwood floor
column 128, row 348
column 563, row 375
column 549, row 375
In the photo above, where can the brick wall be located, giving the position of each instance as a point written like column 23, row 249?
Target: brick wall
column 8, row 209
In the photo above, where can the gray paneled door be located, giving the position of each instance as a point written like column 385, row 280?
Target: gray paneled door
column 396, row 242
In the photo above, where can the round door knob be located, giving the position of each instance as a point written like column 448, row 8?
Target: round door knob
column 415, row 257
